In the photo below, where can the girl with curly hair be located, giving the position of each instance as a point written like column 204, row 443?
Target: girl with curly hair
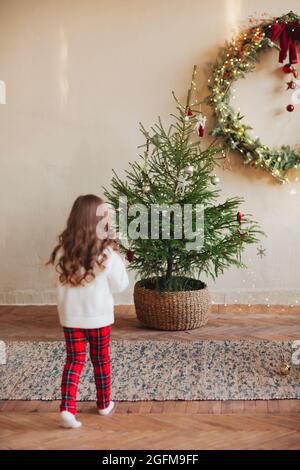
column 89, row 269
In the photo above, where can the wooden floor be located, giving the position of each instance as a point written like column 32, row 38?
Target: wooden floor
column 230, row 322
column 273, row 424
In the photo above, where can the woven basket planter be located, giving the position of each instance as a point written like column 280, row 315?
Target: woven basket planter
column 173, row 311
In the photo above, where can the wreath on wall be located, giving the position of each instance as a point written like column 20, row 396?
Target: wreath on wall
column 238, row 58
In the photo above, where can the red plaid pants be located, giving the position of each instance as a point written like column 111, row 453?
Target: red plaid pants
column 76, row 339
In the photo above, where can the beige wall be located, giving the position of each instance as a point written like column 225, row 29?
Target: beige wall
column 80, row 75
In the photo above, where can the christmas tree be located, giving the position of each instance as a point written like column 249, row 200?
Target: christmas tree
column 175, row 172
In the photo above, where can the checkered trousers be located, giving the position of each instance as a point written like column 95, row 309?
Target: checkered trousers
column 76, row 339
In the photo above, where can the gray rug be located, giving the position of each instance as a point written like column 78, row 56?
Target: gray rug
column 158, row 370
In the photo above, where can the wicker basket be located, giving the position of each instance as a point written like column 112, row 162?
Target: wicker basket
column 182, row 310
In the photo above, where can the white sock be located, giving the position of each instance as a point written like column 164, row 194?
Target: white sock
column 108, row 409
column 69, row 420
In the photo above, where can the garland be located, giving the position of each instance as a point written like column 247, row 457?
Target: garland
column 238, row 58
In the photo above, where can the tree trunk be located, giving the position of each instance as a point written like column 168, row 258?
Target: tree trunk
column 169, row 269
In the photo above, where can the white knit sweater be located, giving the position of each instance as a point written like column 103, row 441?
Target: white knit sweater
column 92, row 305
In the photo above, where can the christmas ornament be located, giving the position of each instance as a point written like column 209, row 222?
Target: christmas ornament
column 130, row 255
column 200, row 126
column 241, row 234
column 239, row 217
column 215, row 180
column 261, row 251
column 189, row 112
column 181, row 185
column 146, row 189
column 189, row 170
column 236, row 59
column 156, row 140
column 290, row 108
column 288, row 68
column 227, row 75
column 284, row 369
column 291, row 85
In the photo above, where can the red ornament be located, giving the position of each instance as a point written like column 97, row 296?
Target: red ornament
column 288, row 68
column 239, row 217
column 291, row 85
column 189, row 112
column 227, row 75
column 200, row 131
column 290, row 108
column 200, row 126
column 130, row 255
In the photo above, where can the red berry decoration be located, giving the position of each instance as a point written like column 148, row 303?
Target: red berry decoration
column 227, row 75
column 290, row 108
column 130, row 255
column 239, row 217
column 189, row 112
column 291, row 85
column 288, row 68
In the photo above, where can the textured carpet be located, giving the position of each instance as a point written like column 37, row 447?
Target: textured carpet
column 158, row 370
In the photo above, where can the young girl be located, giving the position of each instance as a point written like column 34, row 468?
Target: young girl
column 89, row 269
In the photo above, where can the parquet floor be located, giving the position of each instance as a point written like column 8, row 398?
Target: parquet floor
column 259, row 424
column 230, row 322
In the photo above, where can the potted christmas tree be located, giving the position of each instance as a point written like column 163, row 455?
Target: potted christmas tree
column 171, row 194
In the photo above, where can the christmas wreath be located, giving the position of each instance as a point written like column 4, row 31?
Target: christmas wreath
column 237, row 59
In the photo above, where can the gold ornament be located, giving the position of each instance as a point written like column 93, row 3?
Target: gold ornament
column 284, row 369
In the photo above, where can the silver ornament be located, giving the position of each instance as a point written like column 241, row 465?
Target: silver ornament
column 215, row 180
column 189, row 170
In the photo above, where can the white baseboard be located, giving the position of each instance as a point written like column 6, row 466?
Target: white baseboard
column 226, row 296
